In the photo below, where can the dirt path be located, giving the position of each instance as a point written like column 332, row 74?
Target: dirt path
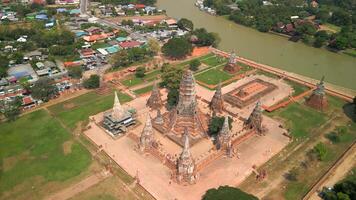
column 337, row 173
column 80, row 186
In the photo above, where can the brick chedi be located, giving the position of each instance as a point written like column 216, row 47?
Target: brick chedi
column 147, row 137
column 318, row 98
column 185, row 163
column 217, row 102
column 155, row 101
column 224, row 138
column 186, row 114
column 255, row 119
column 232, row 67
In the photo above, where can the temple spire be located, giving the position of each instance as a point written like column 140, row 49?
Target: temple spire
column 155, row 101
column 318, row 99
column 146, row 139
column 224, row 137
column 118, row 111
column 159, row 118
column 255, row 119
column 217, row 102
column 187, row 94
column 185, row 163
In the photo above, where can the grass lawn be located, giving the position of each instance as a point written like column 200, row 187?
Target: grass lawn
column 32, row 153
column 214, row 61
column 99, row 45
column 300, row 119
column 143, row 90
column 151, row 76
column 132, row 81
column 213, row 76
column 298, row 88
column 79, row 109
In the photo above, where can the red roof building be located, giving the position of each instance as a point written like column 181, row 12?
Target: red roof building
column 140, row 6
column 73, row 64
column 27, row 101
column 129, row 44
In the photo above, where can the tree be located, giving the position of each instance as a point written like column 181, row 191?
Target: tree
column 354, row 102
column 320, row 38
column 154, row 46
column 185, row 24
column 11, row 109
column 339, row 43
column 340, row 18
column 204, row 38
column 216, row 124
column 92, row 82
column 4, row 62
column 44, row 90
column 306, row 28
column 177, row 48
column 293, row 174
column 227, row 193
column 172, row 98
column 171, row 76
column 320, row 151
column 75, row 72
column 18, row 57
column 140, row 72
column 194, row 65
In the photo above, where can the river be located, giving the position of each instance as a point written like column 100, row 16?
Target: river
column 269, row 49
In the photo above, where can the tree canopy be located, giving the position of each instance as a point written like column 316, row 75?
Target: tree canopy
column 227, row 193
column 43, row 89
column 92, row 82
column 177, row 48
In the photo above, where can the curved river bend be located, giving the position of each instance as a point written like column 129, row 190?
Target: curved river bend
column 269, row 49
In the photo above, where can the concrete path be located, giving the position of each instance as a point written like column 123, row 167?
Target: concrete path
column 80, row 186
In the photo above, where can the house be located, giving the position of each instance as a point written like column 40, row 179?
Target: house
column 27, row 101
column 41, row 17
column 34, row 55
column 93, row 30
column 73, row 64
column 140, row 6
column 22, row 71
column 121, row 39
column 289, row 29
column 172, row 23
column 87, row 53
column 130, row 44
column 95, row 38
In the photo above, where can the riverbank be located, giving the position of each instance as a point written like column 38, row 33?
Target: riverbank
column 269, row 49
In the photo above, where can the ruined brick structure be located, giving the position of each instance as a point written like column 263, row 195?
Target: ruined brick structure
column 318, row 98
column 224, row 138
column 147, row 137
column 217, row 102
column 155, row 101
column 185, row 163
column 185, row 115
column 254, row 121
column 232, row 67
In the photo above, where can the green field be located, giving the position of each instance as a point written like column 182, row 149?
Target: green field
column 300, row 119
column 213, row 76
column 79, row 109
column 133, row 80
column 214, row 61
column 143, row 90
column 32, row 153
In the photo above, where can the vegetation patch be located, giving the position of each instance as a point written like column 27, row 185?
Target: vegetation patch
column 38, row 152
column 300, row 119
column 143, row 90
column 214, row 61
column 213, row 76
column 85, row 106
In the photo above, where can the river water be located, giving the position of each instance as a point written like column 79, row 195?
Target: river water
column 269, row 49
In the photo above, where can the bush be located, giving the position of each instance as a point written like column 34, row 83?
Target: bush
column 194, row 65
column 92, row 82
column 140, row 72
column 320, row 151
column 75, row 72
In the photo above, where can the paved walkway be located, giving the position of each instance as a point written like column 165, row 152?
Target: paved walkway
column 80, row 186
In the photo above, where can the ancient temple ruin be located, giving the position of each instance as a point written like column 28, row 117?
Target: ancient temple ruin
column 185, row 163
column 185, row 115
column 155, row 100
column 118, row 119
column 224, row 138
column 254, row 121
column 147, row 137
column 318, row 98
column 217, row 102
column 232, row 67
